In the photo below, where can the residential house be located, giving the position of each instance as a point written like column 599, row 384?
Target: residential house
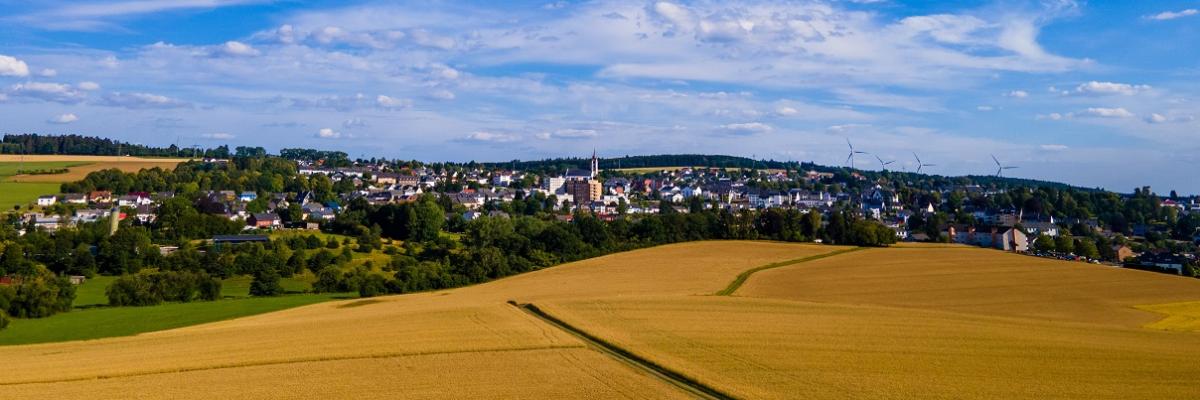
column 264, row 220
column 46, row 200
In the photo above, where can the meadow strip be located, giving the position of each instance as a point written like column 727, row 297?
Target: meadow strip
column 742, row 277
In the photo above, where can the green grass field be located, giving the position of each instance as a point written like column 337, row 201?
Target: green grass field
column 239, row 286
column 24, row 193
column 10, row 168
column 91, row 292
column 104, row 322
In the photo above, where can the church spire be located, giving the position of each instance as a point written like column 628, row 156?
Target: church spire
column 595, row 164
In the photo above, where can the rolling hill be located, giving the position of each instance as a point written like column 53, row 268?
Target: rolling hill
column 876, row 323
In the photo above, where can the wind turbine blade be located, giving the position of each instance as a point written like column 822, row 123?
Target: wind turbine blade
column 848, row 144
column 995, row 160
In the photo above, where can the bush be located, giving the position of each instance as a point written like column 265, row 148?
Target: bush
column 40, row 295
column 155, row 288
column 372, row 285
column 266, row 283
column 3, row 320
column 329, row 280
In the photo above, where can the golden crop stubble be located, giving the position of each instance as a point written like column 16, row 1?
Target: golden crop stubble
column 977, row 281
column 776, row 349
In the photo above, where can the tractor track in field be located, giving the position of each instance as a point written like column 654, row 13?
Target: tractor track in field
column 745, row 275
column 689, row 385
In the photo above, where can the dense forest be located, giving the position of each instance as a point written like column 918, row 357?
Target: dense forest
column 94, row 146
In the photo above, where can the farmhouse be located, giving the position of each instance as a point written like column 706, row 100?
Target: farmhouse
column 264, row 220
column 46, row 200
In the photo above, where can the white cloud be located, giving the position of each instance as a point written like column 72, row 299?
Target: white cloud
column 787, row 111
column 237, row 49
column 1054, row 147
column 1156, row 118
column 63, row 119
column 218, row 136
column 11, row 66
column 328, row 133
column 442, row 94
column 48, row 73
column 1020, row 94
column 56, row 92
column 391, row 102
column 568, row 134
column 984, row 108
column 138, row 100
column 843, row 128
column 1169, row 15
column 353, row 123
column 492, row 137
column 1055, row 116
column 1104, row 112
column 1109, row 88
column 87, row 85
column 746, row 128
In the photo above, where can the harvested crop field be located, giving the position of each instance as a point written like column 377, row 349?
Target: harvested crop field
column 773, row 349
column 80, row 166
column 658, row 306
column 978, row 281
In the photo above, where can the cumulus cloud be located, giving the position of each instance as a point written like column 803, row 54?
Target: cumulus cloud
column 1055, row 116
column 327, row 133
column 89, row 86
column 746, row 128
column 489, row 137
column 1109, row 88
column 1020, row 94
column 568, row 134
column 48, row 73
column 787, row 111
column 442, row 94
column 234, row 48
column 218, row 136
column 1169, row 15
column 391, row 102
column 63, row 119
column 11, row 66
column 55, row 92
column 353, row 123
column 1104, row 112
column 138, row 100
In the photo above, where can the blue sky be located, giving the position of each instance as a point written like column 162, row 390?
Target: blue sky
column 1098, row 94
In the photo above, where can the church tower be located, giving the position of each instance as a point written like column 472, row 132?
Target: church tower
column 595, row 164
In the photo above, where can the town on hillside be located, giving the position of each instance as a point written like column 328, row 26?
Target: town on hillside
column 1137, row 230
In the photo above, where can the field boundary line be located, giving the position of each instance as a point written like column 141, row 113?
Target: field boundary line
column 297, row 360
column 685, row 383
column 745, row 275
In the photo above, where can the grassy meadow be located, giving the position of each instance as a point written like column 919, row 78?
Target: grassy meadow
column 877, row 323
column 23, row 190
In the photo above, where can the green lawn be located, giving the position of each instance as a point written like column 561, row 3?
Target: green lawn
column 25, row 193
column 91, row 292
column 10, row 168
column 239, row 286
column 104, row 322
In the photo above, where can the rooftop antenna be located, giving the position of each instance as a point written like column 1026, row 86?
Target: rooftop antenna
column 1000, row 167
column 921, row 164
column 850, row 157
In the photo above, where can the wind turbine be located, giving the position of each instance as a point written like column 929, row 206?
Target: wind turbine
column 921, row 164
column 883, row 165
column 850, row 158
column 1000, row 167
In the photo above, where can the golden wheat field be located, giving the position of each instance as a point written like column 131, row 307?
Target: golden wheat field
column 657, row 304
column 89, row 164
column 977, row 281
